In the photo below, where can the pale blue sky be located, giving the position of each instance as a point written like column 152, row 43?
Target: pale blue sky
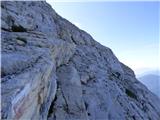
column 130, row 29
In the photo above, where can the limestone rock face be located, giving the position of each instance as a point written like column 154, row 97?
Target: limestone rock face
column 53, row 70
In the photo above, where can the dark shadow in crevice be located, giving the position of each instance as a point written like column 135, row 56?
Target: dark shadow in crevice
column 131, row 94
column 52, row 109
column 18, row 28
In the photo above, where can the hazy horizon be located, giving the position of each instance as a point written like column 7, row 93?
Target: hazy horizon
column 130, row 29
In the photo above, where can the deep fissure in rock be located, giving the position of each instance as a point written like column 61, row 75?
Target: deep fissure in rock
column 131, row 94
column 52, row 109
column 18, row 28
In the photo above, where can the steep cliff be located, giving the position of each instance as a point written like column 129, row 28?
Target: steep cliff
column 53, row 70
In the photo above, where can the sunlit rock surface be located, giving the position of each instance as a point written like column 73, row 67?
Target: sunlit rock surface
column 53, row 70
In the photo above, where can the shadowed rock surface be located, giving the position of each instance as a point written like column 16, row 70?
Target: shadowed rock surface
column 53, row 70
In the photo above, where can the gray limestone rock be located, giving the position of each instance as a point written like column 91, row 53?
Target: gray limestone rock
column 53, row 70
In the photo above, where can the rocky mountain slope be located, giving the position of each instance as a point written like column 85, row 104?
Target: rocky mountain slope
column 53, row 70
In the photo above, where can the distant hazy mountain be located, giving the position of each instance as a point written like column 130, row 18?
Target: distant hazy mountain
column 147, row 72
column 152, row 81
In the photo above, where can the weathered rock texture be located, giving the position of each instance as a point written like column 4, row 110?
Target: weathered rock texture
column 53, row 70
